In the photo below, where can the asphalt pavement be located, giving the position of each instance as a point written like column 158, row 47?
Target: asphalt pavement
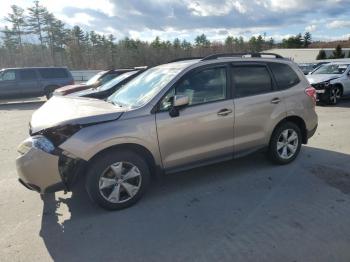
column 241, row 210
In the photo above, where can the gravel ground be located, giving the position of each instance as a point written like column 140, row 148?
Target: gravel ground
column 242, row 210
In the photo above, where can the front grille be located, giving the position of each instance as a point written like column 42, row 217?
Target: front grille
column 318, row 86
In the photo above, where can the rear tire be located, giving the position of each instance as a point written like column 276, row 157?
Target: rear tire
column 285, row 143
column 117, row 179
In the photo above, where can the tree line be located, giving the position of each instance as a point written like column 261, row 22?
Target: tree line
column 336, row 54
column 37, row 38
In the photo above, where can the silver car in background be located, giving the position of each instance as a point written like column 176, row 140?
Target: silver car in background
column 171, row 117
column 331, row 81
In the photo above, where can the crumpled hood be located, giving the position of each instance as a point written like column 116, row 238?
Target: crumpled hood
column 319, row 78
column 61, row 110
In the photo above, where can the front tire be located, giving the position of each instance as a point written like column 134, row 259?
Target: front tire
column 285, row 143
column 334, row 95
column 117, row 179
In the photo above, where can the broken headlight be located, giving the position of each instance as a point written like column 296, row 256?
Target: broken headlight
column 58, row 135
column 39, row 142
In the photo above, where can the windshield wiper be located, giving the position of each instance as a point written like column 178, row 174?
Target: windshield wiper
column 114, row 103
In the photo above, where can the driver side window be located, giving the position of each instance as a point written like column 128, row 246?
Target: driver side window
column 207, row 85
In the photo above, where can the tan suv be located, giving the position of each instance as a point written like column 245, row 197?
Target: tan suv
column 171, row 117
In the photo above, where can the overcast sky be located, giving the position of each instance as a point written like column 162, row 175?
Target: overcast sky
column 146, row 19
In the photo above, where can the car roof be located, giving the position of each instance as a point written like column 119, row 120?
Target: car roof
column 49, row 67
column 230, row 57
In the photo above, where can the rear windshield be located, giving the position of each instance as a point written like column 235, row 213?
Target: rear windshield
column 284, row 75
column 50, row 73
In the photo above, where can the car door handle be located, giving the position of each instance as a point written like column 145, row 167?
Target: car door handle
column 224, row 112
column 276, row 100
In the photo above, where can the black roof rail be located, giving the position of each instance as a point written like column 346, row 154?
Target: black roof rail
column 215, row 56
column 186, row 58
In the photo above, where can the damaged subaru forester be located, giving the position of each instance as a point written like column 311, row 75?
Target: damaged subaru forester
column 171, row 117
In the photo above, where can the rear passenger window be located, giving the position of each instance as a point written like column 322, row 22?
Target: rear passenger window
column 251, row 80
column 50, row 73
column 27, row 74
column 284, row 75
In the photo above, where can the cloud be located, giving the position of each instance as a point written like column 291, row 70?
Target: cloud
column 168, row 19
column 77, row 19
column 214, row 8
column 339, row 24
column 311, row 28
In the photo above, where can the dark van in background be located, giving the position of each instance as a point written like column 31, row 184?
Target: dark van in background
column 29, row 82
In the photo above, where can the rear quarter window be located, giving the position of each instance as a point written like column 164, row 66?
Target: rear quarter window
column 52, row 73
column 284, row 75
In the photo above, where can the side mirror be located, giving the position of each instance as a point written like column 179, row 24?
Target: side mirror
column 178, row 102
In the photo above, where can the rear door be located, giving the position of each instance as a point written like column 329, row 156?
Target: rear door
column 8, row 84
column 28, row 82
column 258, row 106
column 203, row 131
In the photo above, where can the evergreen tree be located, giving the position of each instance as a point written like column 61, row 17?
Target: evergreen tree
column 293, row 42
column 16, row 18
column 229, row 41
column 177, row 43
column 8, row 39
column 186, row 45
column 259, row 43
column 202, row 41
column 271, row 42
column 307, row 39
column 241, row 46
column 338, row 52
column 156, row 42
column 35, row 21
column 252, row 44
column 321, row 55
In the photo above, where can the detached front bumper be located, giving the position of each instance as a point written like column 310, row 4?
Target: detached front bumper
column 38, row 170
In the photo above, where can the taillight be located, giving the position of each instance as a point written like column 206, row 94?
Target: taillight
column 311, row 92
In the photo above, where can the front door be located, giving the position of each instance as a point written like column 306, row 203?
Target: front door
column 203, row 131
column 8, row 84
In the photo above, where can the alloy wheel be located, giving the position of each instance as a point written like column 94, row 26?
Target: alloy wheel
column 334, row 95
column 120, row 182
column 287, row 144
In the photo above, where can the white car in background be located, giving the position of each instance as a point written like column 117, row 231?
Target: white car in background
column 331, row 81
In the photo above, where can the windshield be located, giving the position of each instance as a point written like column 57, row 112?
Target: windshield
column 94, row 79
column 116, row 80
column 331, row 69
column 144, row 87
